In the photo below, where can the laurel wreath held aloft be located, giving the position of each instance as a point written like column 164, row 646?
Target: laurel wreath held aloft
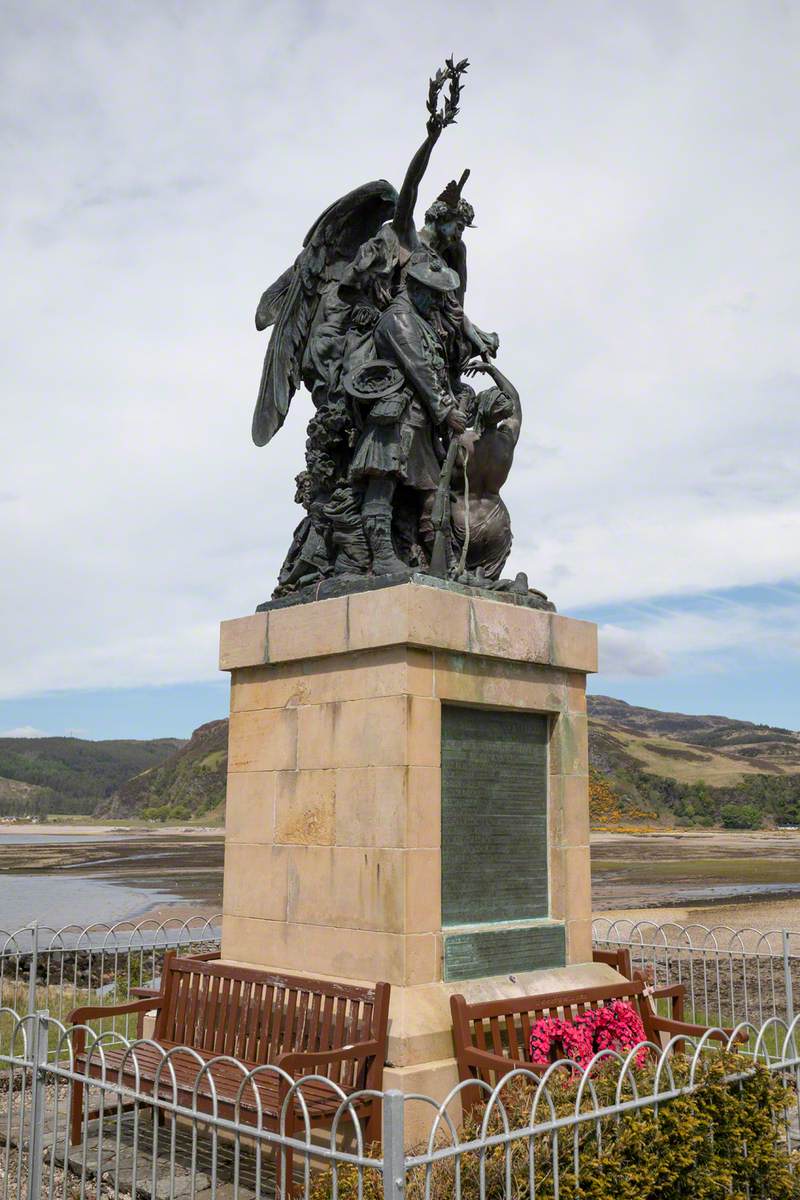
column 452, row 71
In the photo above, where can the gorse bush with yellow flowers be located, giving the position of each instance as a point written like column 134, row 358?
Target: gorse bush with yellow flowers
column 718, row 1142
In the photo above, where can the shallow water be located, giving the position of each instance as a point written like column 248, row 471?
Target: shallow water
column 58, row 900
column 82, row 879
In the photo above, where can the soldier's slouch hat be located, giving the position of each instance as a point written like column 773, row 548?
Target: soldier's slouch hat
column 433, row 273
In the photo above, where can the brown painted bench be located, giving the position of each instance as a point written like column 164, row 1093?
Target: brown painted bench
column 304, row 1026
column 492, row 1037
column 140, row 992
column 620, row 960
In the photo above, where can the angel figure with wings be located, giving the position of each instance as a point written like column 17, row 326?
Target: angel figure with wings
column 324, row 311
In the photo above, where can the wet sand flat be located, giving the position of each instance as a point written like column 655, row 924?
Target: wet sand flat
column 710, row 877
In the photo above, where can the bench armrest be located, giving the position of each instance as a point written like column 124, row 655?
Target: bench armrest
column 303, row 1059
column 486, row 1060
column 145, row 992
column 683, row 1028
column 664, row 993
column 79, row 1016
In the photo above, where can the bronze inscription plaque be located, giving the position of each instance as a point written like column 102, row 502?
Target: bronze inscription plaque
column 503, row 948
column 494, row 816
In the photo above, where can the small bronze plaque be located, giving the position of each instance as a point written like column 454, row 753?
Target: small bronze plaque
column 502, row 950
column 494, row 816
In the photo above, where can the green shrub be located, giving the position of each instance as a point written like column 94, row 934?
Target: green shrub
column 740, row 816
column 156, row 813
column 717, row 1142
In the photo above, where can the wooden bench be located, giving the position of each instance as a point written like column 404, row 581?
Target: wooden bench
column 304, row 1026
column 620, row 960
column 492, row 1037
column 141, row 992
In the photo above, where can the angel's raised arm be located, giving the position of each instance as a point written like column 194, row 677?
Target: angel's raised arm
column 403, row 223
column 438, row 119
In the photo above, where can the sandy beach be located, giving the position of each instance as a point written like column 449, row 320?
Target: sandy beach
column 735, row 878
column 99, row 828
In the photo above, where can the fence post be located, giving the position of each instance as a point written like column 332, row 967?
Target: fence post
column 787, row 978
column 38, row 1099
column 34, row 968
column 394, row 1151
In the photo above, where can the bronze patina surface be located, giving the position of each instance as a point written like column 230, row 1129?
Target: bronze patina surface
column 405, row 458
column 494, row 843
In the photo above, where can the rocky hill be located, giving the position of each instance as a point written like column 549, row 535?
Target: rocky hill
column 189, row 783
column 70, row 775
column 695, row 770
column 647, row 767
column 741, row 745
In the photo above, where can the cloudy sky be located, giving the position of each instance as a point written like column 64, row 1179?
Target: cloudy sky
column 636, row 177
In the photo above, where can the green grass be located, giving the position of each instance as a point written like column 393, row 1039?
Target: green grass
column 59, row 1001
column 213, row 760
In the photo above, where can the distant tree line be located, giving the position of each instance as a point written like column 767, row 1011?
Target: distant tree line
column 42, row 806
column 70, row 775
column 749, row 804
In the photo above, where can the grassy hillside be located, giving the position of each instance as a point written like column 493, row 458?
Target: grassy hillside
column 695, row 770
column 190, row 783
column 646, row 767
column 695, row 747
column 61, row 774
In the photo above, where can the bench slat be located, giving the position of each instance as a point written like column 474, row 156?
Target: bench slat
column 289, row 1039
column 325, row 1028
column 283, row 1035
column 181, row 998
column 352, row 1036
column 312, row 1031
column 192, row 1008
column 249, row 1051
column 166, row 1014
column 232, row 1023
column 511, row 1037
column 338, row 1034
column 221, row 1023
column 206, row 1038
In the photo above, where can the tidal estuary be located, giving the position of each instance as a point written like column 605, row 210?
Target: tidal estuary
column 107, row 874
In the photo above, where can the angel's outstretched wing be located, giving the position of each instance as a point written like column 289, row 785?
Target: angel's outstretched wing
column 290, row 303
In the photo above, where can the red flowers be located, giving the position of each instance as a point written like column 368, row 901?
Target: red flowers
column 614, row 1026
column 552, row 1038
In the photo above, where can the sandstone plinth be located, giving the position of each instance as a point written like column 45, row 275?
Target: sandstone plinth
column 334, row 807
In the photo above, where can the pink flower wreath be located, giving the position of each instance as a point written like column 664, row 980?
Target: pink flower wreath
column 551, row 1035
column 614, row 1026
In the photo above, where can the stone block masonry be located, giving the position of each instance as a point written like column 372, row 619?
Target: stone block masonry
column 335, row 839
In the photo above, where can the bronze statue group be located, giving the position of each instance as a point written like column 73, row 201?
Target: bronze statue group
column 404, row 460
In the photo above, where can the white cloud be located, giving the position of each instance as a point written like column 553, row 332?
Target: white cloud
column 704, row 638
column 634, row 175
column 24, row 731
column 625, row 653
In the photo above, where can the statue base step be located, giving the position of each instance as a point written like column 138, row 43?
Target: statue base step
column 509, row 591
